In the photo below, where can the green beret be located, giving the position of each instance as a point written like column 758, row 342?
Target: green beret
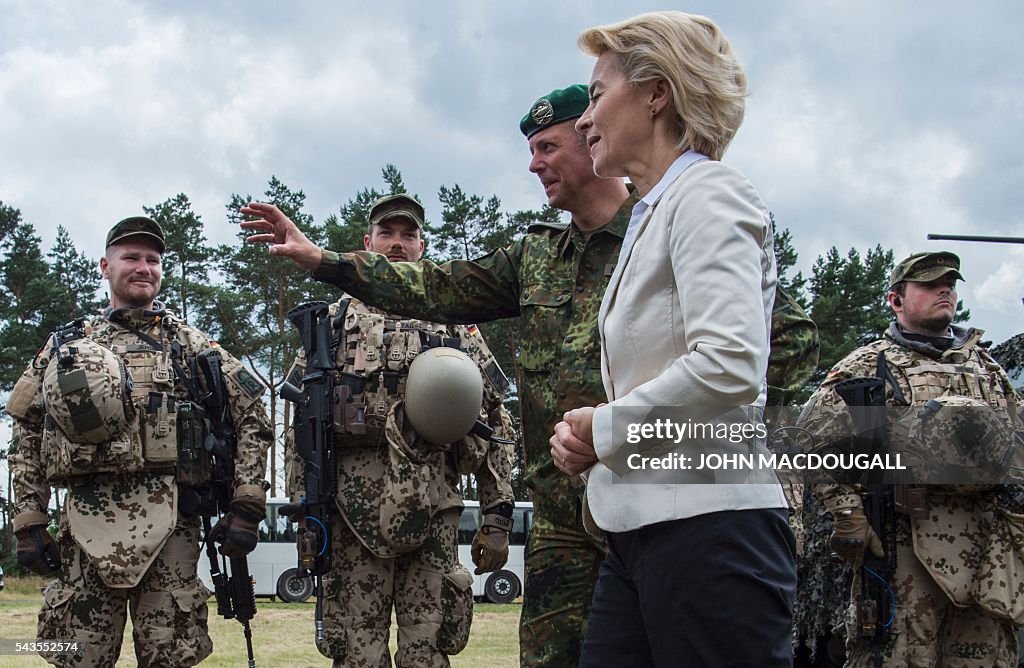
column 557, row 106
column 136, row 226
column 924, row 267
column 401, row 206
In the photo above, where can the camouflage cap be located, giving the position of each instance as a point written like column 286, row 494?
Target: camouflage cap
column 557, row 106
column 136, row 226
column 397, row 205
column 924, row 267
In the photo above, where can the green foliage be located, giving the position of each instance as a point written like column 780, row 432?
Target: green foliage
column 250, row 308
column 785, row 259
column 75, row 278
column 470, row 226
column 344, row 232
column 848, row 301
column 37, row 296
column 186, row 261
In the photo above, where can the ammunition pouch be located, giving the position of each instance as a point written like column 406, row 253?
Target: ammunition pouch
column 159, row 422
column 194, row 462
column 67, row 459
column 412, row 489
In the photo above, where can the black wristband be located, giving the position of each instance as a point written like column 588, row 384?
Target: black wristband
column 504, row 509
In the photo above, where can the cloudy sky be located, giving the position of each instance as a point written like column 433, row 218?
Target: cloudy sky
column 868, row 121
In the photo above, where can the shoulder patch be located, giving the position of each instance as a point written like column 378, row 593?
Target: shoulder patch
column 494, row 374
column 248, row 382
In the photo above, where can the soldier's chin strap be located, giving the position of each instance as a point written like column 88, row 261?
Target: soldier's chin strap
column 487, row 433
column 883, row 371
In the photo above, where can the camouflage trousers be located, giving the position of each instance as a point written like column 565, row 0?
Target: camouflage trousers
column 168, row 607
column 561, row 569
column 928, row 630
column 429, row 589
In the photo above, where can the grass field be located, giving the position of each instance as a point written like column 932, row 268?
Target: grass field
column 282, row 634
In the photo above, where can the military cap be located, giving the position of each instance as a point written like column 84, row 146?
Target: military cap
column 924, row 267
column 400, row 205
column 136, row 226
column 557, row 106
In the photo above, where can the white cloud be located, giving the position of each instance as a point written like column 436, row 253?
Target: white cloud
column 868, row 122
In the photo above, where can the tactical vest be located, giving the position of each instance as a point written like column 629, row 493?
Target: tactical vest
column 968, row 376
column 150, row 441
column 972, row 548
column 374, row 364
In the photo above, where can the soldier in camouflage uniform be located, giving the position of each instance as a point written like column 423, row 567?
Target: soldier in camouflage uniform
column 96, row 415
column 553, row 279
column 390, row 479
column 957, row 584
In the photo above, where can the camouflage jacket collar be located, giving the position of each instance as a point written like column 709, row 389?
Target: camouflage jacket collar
column 572, row 236
column 964, row 339
column 138, row 317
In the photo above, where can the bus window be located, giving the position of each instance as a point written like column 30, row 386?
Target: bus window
column 520, row 529
column 469, row 522
column 276, row 528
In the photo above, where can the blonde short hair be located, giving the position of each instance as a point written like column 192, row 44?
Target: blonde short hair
column 696, row 60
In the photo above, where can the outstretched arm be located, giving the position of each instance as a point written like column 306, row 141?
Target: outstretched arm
column 284, row 236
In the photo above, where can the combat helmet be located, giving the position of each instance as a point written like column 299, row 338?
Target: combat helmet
column 443, row 394
column 87, row 392
column 967, row 441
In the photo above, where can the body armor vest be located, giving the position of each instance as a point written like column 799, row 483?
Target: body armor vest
column 148, row 442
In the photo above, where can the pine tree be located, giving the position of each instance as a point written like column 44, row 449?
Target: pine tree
column 251, row 307
column 470, row 226
column 186, row 260
column 785, row 259
column 76, row 277
column 29, row 296
column 849, row 301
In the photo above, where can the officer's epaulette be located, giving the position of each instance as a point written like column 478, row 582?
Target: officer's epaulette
column 542, row 226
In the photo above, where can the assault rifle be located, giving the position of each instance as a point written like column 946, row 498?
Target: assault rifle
column 235, row 593
column 865, row 401
column 314, row 442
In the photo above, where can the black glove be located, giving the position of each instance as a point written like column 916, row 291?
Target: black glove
column 37, row 551
column 238, row 531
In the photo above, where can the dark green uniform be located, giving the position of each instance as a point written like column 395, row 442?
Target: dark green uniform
column 553, row 279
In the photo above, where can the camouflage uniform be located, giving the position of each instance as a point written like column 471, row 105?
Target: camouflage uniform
column 553, row 279
column 792, row 361
column 946, row 560
column 794, row 353
column 121, row 537
column 390, row 480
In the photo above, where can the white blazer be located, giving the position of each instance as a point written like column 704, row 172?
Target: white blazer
column 685, row 322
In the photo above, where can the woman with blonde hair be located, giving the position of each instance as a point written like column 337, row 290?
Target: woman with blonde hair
column 696, row 574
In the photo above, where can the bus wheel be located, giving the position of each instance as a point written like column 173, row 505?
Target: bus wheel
column 292, row 588
column 502, row 587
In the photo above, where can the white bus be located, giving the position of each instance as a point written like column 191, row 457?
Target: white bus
column 272, row 564
column 505, row 585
